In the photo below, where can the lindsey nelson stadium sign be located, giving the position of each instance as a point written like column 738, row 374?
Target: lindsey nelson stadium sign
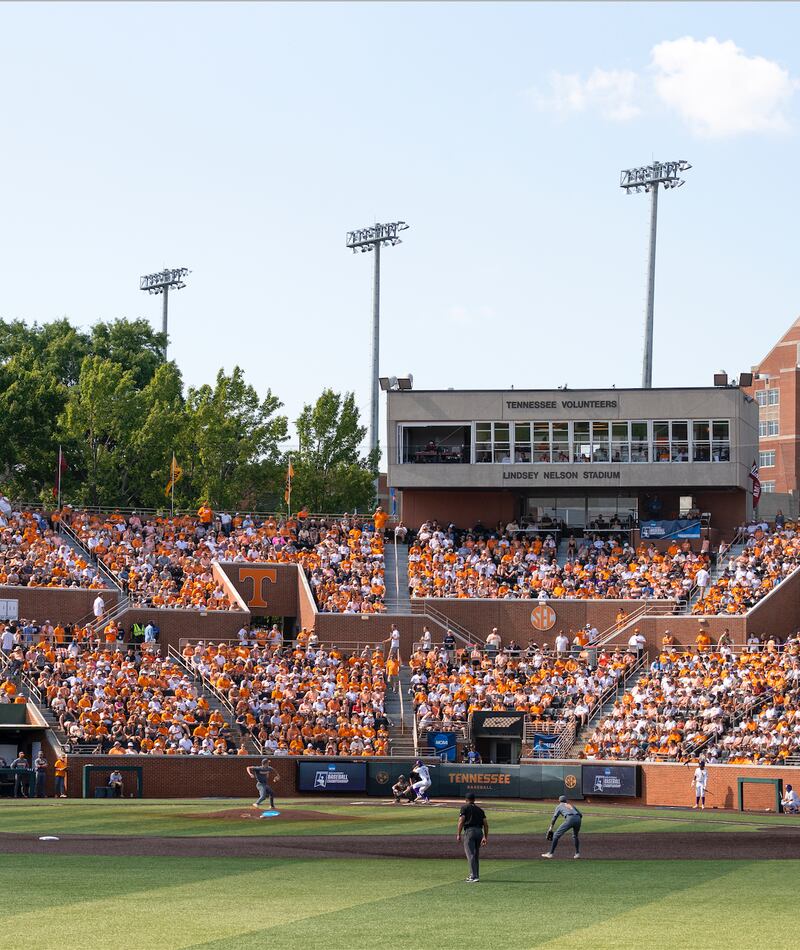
column 559, row 475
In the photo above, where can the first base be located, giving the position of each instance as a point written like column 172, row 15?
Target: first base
column 270, row 814
column 48, row 838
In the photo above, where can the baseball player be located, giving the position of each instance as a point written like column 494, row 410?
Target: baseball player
column 423, row 782
column 791, row 801
column 700, row 782
column 572, row 822
column 263, row 782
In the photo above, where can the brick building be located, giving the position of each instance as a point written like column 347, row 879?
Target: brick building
column 776, row 389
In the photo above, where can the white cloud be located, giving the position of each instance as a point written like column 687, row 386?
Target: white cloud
column 711, row 85
column 719, row 90
column 611, row 93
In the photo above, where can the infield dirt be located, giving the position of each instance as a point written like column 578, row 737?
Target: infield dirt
column 749, row 846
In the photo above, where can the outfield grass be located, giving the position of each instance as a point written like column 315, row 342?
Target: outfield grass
column 246, row 904
column 182, row 818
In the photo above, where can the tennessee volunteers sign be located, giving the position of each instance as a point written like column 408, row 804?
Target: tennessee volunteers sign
column 258, row 575
column 543, row 617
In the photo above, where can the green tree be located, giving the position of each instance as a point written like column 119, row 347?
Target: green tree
column 134, row 344
column 30, row 399
column 330, row 472
column 231, row 438
column 159, row 434
column 102, row 413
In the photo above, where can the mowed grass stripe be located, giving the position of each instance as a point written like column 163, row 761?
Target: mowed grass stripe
column 179, row 818
column 180, row 914
column 751, row 904
column 517, row 904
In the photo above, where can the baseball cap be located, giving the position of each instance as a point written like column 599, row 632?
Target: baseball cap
column 562, row 798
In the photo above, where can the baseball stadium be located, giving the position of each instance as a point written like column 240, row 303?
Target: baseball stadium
column 455, row 659
column 623, row 662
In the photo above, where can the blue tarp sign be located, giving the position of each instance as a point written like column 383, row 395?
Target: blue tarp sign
column 664, row 530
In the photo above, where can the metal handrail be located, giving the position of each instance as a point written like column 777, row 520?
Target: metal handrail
column 208, row 688
column 459, row 632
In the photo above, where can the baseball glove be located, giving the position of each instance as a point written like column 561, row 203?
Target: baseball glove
column 549, row 834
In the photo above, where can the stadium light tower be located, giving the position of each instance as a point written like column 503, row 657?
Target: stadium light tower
column 371, row 239
column 648, row 178
column 160, row 284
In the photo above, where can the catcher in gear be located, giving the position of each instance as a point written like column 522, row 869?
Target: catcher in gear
column 572, row 822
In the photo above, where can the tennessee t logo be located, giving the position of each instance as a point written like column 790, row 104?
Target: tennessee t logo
column 258, row 576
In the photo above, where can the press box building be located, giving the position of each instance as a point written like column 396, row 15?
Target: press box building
column 572, row 456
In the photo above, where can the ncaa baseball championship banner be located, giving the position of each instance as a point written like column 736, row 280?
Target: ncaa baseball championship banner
column 663, row 530
column 321, row 777
column 620, row 780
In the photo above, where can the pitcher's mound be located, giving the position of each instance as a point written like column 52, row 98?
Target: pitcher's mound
column 296, row 814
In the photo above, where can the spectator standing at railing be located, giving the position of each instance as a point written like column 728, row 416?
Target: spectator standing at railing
column 702, row 579
column 380, row 519
column 99, row 606
column 493, row 643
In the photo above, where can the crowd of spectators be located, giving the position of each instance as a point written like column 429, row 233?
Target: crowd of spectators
column 32, row 554
column 767, row 559
column 302, row 699
column 167, row 562
column 730, row 707
column 555, row 687
column 510, row 563
column 133, row 702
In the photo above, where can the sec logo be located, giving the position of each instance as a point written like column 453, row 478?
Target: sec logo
column 382, row 777
column 570, row 781
column 543, row 617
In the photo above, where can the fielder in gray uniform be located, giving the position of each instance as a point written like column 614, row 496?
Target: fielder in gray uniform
column 572, row 822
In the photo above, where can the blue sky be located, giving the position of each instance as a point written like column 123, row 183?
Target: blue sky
column 243, row 141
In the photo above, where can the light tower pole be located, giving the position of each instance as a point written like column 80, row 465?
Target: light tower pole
column 160, row 284
column 648, row 178
column 371, row 239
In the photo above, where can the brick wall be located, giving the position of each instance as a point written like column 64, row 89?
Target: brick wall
column 55, row 604
column 173, row 776
column 671, row 785
column 176, row 625
column 226, row 776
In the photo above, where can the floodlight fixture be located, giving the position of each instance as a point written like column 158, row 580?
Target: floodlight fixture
column 161, row 283
column 373, row 238
column 647, row 178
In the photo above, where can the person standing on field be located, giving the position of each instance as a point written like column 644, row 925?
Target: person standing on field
column 264, row 781
column 700, row 782
column 473, row 828
column 572, row 822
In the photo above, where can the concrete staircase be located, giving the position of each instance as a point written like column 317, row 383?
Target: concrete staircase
column 735, row 550
column 401, row 733
column 216, row 702
column 395, row 572
column 582, row 736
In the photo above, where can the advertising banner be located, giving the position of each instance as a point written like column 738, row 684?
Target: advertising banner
column 669, row 530
column 324, row 777
column 487, row 781
column 443, row 744
column 619, row 780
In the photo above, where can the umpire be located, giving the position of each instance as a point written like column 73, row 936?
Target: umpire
column 572, row 822
column 474, row 829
